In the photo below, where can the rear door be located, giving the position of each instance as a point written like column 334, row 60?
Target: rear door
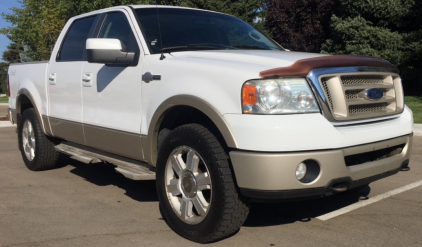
column 112, row 94
column 64, row 82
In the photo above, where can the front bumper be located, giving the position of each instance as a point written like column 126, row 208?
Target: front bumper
column 272, row 175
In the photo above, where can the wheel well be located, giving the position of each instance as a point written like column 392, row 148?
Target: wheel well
column 25, row 103
column 180, row 115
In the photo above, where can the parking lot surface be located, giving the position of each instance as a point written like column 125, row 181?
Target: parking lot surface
column 3, row 109
column 92, row 205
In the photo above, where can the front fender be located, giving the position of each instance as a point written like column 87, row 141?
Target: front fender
column 150, row 142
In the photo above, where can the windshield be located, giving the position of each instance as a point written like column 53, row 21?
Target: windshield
column 188, row 29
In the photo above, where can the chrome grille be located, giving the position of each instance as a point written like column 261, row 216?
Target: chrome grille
column 362, row 79
column 327, row 92
column 353, row 94
column 346, row 95
column 354, row 109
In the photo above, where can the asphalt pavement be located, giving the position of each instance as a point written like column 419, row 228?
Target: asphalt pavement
column 92, row 205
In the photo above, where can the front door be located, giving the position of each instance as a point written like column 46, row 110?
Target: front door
column 64, row 82
column 112, row 95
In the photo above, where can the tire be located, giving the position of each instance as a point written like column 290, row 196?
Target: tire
column 203, row 185
column 36, row 148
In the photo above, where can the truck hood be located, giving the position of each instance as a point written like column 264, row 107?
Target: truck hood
column 252, row 60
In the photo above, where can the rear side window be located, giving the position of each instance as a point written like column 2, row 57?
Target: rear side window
column 116, row 26
column 74, row 44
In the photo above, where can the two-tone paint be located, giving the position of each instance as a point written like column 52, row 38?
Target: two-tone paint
column 112, row 109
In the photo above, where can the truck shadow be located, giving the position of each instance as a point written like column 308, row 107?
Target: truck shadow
column 261, row 214
column 268, row 214
column 103, row 174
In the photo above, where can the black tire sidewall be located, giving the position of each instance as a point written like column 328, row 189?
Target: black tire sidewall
column 201, row 231
column 31, row 116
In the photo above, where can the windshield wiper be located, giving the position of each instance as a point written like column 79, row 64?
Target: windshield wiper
column 211, row 44
column 188, row 48
column 250, row 47
column 195, row 47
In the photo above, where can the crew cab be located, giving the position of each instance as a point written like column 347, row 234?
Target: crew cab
column 212, row 109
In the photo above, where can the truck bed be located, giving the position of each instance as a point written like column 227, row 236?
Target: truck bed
column 31, row 78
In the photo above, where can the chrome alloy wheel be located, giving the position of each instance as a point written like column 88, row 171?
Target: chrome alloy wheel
column 28, row 140
column 188, row 185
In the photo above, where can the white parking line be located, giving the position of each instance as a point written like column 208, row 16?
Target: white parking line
column 369, row 201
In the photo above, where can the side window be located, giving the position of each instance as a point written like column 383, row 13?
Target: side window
column 74, row 44
column 116, row 26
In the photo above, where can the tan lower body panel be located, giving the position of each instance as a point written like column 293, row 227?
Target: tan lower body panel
column 12, row 115
column 67, row 130
column 276, row 171
column 47, row 128
column 113, row 141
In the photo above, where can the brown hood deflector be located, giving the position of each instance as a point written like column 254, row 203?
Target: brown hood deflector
column 304, row 66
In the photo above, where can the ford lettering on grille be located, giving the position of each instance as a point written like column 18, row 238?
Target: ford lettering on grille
column 374, row 94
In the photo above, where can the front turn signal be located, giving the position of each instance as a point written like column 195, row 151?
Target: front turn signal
column 249, row 95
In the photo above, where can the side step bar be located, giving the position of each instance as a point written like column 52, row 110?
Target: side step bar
column 131, row 169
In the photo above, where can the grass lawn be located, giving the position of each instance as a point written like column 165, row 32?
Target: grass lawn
column 4, row 99
column 415, row 103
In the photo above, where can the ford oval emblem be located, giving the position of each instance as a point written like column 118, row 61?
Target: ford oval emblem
column 374, row 94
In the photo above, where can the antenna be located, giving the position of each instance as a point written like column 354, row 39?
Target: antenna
column 159, row 30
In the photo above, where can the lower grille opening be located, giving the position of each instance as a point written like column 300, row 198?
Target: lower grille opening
column 372, row 156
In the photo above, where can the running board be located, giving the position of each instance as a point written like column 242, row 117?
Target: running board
column 131, row 169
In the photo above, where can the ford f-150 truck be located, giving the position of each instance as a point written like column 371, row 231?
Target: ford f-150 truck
column 212, row 109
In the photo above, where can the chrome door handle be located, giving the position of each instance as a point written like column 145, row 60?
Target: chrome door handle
column 52, row 79
column 87, row 79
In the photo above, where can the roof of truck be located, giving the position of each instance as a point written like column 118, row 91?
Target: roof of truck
column 99, row 11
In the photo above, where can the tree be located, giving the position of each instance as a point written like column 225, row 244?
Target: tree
column 39, row 23
column 45, row 19
column 300, row 25
column 11, row 54
column 390, row 29
column 247, row 10
column 3, row 76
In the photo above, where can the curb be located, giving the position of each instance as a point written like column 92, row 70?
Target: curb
column 417, row 129
column 4, row 104
column 4, row 124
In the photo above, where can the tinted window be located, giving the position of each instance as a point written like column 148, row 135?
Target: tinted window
column 74, row 44
column 116, row 26
column 186, row 27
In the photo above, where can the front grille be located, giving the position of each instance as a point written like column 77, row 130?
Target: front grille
column 353, row 94
column 355, row 109
column 327, row 92
column 357, row 159
column 362, row 79
column 346, row 95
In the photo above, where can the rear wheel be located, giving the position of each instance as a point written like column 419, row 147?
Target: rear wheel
column 36, row 148
column 198, row 197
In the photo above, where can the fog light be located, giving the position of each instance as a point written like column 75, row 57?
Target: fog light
column 301, row 171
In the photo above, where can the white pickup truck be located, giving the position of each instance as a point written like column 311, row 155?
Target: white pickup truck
column 216, row 112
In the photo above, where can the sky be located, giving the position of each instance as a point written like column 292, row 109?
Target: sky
column 5, row 6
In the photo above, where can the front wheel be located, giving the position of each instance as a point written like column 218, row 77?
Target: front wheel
column 198, row 197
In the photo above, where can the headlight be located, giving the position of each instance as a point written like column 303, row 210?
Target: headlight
column 278, row 96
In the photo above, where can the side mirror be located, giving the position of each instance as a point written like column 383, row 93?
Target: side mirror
column 107, row 51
